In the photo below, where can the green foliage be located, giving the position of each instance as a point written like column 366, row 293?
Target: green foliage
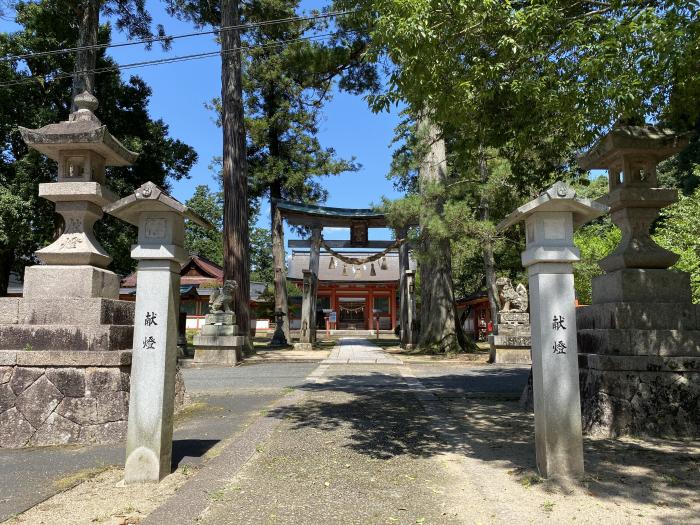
column 595, row 241
column 677, row 231
column 209, row 242
column 261, row 268
column 204, row 241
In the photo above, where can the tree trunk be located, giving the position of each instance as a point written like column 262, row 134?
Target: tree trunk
column 277, row 232
column 7, row 258
column 438, row 328
column 487, row 245
column 85, row 59
column 236, row 240
column 401, row 233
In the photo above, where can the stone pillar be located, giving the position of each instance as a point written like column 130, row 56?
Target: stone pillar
column 410, row 298
column 548, row 257
column 160, row 254
column 307, row 332
column 305, row 327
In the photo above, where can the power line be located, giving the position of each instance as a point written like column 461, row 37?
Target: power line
column 151, row 40
column 170, row 60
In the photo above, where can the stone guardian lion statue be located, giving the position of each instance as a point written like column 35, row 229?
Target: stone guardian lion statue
column 221, row 298
column 511, row 299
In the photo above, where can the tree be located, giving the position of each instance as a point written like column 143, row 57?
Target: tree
column 35, row 103
column 130, row 16
column 235, row 169
column 532, row 82
column 209, row 242
column 439, row 328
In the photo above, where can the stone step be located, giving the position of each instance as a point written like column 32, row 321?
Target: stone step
column 638, row 363
column 66, row 337
column 647, row 316
column 90, row 311
column 70, row 310
column 639, row 342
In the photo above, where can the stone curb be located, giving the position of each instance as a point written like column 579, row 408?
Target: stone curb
column 193, row 498
column 61, row 358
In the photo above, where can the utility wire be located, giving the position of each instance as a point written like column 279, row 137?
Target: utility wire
column 151, row 40
column 170, row 60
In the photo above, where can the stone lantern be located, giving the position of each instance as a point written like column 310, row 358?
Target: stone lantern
column 639, row 342
column 74, row 263
column 630, row 154
column 160, row 254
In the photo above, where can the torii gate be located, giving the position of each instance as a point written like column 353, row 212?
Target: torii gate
column 358, row 220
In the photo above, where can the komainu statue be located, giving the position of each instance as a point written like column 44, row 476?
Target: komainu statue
column 221, row 298
column 511, row 299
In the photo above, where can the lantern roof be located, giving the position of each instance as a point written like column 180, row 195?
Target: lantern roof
column 82, row 131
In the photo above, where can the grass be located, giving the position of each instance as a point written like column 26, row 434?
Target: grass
column 548, row 506
column 192, row 410
column 530, row 480
column 71, row 480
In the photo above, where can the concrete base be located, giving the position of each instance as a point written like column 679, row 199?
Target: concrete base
column 306, row 347
column 510, row 356
column 70, row 281
column 633, row 285
column 218, row 350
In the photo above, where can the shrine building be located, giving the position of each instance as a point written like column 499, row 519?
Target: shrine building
column 357, row 293
column 355, row 283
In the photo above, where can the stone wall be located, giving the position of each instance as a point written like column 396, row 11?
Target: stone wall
column 641, row 396
column 60, row 398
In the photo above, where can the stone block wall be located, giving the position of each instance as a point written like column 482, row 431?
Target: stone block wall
column 54, row 399
column 639, row 369
column 655, row 396
column 61, row 398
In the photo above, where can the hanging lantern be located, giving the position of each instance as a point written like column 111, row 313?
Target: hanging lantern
column 383, row 265
column 332, row 264
column 364, row 267
column 345, row 269
column 372, row 271
column 354, row 270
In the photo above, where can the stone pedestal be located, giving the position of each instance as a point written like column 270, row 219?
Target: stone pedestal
column 639, row 342
column 219, row 342
column 511, row 345
column 550, row 252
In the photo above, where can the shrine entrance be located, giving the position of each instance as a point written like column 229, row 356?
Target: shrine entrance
column 352, row 313
column 350, row 284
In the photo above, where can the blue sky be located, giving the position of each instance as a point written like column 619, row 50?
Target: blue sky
column 181, row 90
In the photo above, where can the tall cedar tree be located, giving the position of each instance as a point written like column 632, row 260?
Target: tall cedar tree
column 285, row 88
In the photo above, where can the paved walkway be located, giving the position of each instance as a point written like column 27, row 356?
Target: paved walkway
column 225, row 400
column 353, row 351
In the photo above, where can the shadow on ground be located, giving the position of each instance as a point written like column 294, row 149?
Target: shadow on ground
column 476, row 418
column 190, row 448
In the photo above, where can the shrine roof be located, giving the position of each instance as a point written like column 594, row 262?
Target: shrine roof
column 301, row 214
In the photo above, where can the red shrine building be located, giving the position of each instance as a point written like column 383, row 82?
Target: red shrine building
column 353, row 283
column 357, row 293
